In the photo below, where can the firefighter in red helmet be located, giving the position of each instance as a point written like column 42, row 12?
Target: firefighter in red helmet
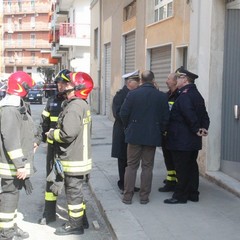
column 72, row 138
column 17, row 150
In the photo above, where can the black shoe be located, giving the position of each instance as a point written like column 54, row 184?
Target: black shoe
column 173, row 201
column 136, row 189
column 46, row 221
column 67, row 229
column 193, row 198
column 167, row 188
column 20, row 233
column 144, row 201
column 120, row 186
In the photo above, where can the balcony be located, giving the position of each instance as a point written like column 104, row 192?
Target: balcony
column 74, row 34
column 31, row 44
column 15, row 9
column 26, row 27
column 26, row 61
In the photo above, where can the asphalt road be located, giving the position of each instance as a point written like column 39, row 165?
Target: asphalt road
column 31, row 206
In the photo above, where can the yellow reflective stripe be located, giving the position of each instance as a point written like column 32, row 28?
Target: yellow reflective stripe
column 49, row 141
column 49, row 196
column 56, row 135
column 7, row 215
column 171, row 172
column 17, row 153
column 6, row 225
column 53, row 119
column 45, row 113
column 75, row 214
column 77, row 166
column 75, row 207
column 84, row 206
column 171, row 103
column 171, row 178
column 10, row 169
column 87, row 120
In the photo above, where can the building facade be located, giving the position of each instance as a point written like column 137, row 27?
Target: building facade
column 25, row 35
column 70, row 34
column 203, row 36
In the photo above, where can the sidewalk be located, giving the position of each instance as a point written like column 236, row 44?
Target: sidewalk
column 215, row 216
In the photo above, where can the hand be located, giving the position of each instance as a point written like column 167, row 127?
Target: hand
column 35, row 146
column 57, row 187
column 21, row 173
column 202, row 132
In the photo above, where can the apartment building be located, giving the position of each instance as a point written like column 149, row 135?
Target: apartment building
column 70, row 34
column 161, row 35
column 25, row 35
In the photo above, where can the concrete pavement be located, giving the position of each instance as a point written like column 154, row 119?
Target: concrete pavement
column 215, row 216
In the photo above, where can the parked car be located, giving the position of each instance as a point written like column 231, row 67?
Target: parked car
column 35, row 95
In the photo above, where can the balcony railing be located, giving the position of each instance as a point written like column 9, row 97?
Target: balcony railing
column 38, row 44
column 15, row 9
column 11, row 28
column 81, row 31
column 26, row 61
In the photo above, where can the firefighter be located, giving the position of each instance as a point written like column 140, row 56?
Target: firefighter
column 72, row 138
column 49, row 120
column 17, row 145
column 171, row 180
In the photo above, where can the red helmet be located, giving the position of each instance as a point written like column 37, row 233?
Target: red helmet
column 19, row 83
column 83, row 84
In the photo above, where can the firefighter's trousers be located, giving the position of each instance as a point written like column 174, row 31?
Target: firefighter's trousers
column 9, row 197
column 50, row 198
column 74, row 195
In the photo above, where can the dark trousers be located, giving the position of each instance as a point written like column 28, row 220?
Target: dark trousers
column 187, row 174
column 9, row 197
column 122, row 164
column 74, row 195
column 50, row 198
column 135, row 154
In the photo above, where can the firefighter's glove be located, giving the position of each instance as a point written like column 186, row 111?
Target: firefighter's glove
column 27, row 185
column 57, row 187
column 59, row 168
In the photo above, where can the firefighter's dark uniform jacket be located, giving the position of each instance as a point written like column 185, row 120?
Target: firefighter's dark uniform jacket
column 73, row 137
column 50, row 114
column 17, row 138
column 188, row 114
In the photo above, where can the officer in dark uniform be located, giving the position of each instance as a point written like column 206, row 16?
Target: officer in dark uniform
column 49, row 120
column 188, row 122
column 119, row 147
column 171, row 179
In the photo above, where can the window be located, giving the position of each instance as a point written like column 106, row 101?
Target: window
column 20, row 5
column 32, row 39
column 33, row 57
column 130, row 10
column 19, row 39
column 163, row 9
column 33, row 4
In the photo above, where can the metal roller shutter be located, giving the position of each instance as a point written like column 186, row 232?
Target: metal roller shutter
column 129, row 53
column 107, row 74
column 160, row 65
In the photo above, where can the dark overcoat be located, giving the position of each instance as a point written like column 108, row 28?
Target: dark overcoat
column 188, row 114
column 119, row 147
column 145, row 114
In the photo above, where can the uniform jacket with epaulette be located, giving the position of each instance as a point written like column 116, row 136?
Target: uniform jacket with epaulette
column 187, row 116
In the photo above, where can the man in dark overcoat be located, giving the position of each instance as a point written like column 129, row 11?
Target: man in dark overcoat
column 119, row 147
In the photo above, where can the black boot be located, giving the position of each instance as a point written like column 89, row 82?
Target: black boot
column 168, row 187
column 67, row 229
column 49, row 214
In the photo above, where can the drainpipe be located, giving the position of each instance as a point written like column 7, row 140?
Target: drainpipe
column 99, row 57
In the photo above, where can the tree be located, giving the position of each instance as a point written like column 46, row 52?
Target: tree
column 47, row 73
